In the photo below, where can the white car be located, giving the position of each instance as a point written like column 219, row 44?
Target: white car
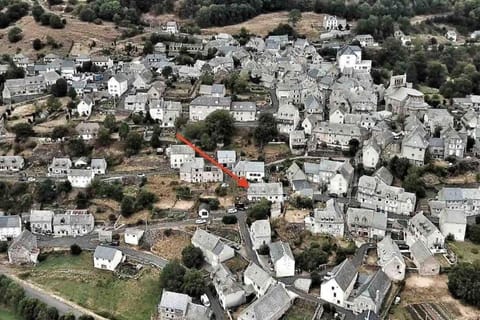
column 200, row 221
column 205, row 300
column 232, row 210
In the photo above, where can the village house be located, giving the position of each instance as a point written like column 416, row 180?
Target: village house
column 117, row 85
column 311, row 122
column 214, row 90
column 87, row 130
column 17, row 90
column 202, row 106
column 258, row 279
column 260, row 233
column 272, row 191
column 136, row 102
column 133, row 236
column 243, row 111
column 338, row 284
column 214, row 250
column 41, row 221
column 197, row 171
column 424, row 260
column 59, row 167
column 338, row 135
column 365, row 40
column 465, row 199
column 23, row 249
column 165, row 112
column 451, row 35
column 73, row 223
column 414, row 146
column 11, row 163
column 375, row 194
column 156, row 91
column 80, row 178
column 454, row 223
column 98, row 165
column 328, row 220
column 471, row 101
column 420, row 228
column 85, row 106
column 107, row 258
column 179, row 306
column 230, row 292
column 366, row 223
column 180, row 154
column 437, row 118
column 271, row 306
column 227, row 158
column 371, row 153
column 390, row 259
column 297, row 141
column 370, row 294
column 10, row 227
column 335, row 175
column 401, row 98
column 282, row 259
column 252, row 170
column 334, row 23
column 102, row 62
column 350, row 58
column 454, row 142
column 288, row 118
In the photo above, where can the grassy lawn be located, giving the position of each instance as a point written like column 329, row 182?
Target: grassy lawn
column 74, row 278
column 466, row 251
column 301, row 310
column 6, row 314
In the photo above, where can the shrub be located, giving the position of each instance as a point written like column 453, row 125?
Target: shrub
column 230, row 219
column 37, row 44
column 75, row 249
column 474, row 250
column 3, row 246
column 15, row 34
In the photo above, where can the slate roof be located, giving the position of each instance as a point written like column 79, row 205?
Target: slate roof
column 261, row 228
column 243, row 106
column 367, row 217
column 420, row 252
column 256, row 274
column 105, row 253
column 331, row 213
column 344, row 274
column 208, row 241
column 384, row 175
column 250, row 166
column 280, row 249
column 271, row 188
column 10, row 221
column 181, row 149
column 387, row 249
column 25, row 240
column 174, row 300
column 422, row 224
column 376, row 286
column 267, row 306
column 37, row 216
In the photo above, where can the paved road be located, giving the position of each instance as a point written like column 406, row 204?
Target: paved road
column 247, row 241
column 215, row 305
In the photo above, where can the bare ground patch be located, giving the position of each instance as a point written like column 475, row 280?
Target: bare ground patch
column 170, row 247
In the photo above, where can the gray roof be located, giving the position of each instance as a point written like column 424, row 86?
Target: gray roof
column 120, row 77
column 453, row 216
column 73, row 219
column 344, row 274
column 174, row 300
column 41, row 216
column 25, row 240
column 10, row 221
column 98, row 163
column 367, row 218
column 280, row 249
column 420, row 252
column 243, row 106
column 208, row 241
column 311, row 168
column 261, row 228
column 211, row 101
column 387, row 249
column 450, row 194
column 422, row 224
column 250, row 166
column 256, row 274
column 226, row 154
column 332, row 212
column 272, row 188
column 376, row 286
column 267, row 306
column 384, row 175
column 181, row 149
column 294, row 173
column 105, row 253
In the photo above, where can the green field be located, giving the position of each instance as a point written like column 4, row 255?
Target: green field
column 74, row 278
column 7, row 315
column 466, row 251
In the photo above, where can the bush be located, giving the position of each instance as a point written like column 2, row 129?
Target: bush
column 75, row 249
column 37, row 44
column 474, row 250
column 15, row 34
column 192, row 257
column 230, row 219
column 264, row 250
column 3, row 246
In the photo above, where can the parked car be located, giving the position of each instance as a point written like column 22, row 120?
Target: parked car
column 200, row 221
column 205, row 300
column 232, row 210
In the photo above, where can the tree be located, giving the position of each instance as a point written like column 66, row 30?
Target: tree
column 45, row 191
column 72, row 93
column 103, row 137
column 55, row 22
column 192, row 257
column 311, row 258
column 167, row 71
column 87, row 14
column 37, row 12
column 110, row 122
column 260, row 210
column 133, row 143
column 230, row 219
column 266, row 130
column 464, row 283
column 127, row 207
column 193, row 283
column 64, row 187
column 437, row 74
column 67, row 316
column 23, row 131
column 399, row 167
column 77, row 148
column 75, row 249
column 15, row 34
column 145, row 200
column 37, row 44
column 123, row 130
column 294, row 16
column 220, row 126
column 473, row 233
column 59, row 88
column 171, row 278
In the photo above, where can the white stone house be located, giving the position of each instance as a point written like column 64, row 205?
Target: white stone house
column 366, row 223
column 272, row 191
column 133, row 236
column 117, row 85
column 243, row 111
column 333, row 23
column 371, row 153
column 350, row 57
column 338, row 284
column 84, row 107
column 11, row 163
column 288, row 118
column 41, row 221
column 227, row 158
column 180, row 154
column 197, row 171
column 338, row 135
column 136, row 102
column 453, row 222
column 390, row 259
column 258, row 279
column 370, row 294
column 451, row 35
column 179, row 306
column 424, row 260
column 230, row 292
column 421, row 228
column 327, row 221
column 252, row 170
column 465, row 199
column 260, row 233
column 98, row 166
column 73, row 223
column 107, row 258
column 282, row 259
column 414, row 146
column 214, row 250
column 23, row 249
column 202, row 106
column 87, row 130
column 80, row 178
column 10, row 227
column 59, row 167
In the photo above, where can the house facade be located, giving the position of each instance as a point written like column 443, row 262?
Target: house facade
column 328, row 220
column 107, row 258
column 214, row 250
column 10, row 227
column 282, row 259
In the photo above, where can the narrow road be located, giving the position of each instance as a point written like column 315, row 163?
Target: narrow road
column 242, row 223
column 62, row 305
